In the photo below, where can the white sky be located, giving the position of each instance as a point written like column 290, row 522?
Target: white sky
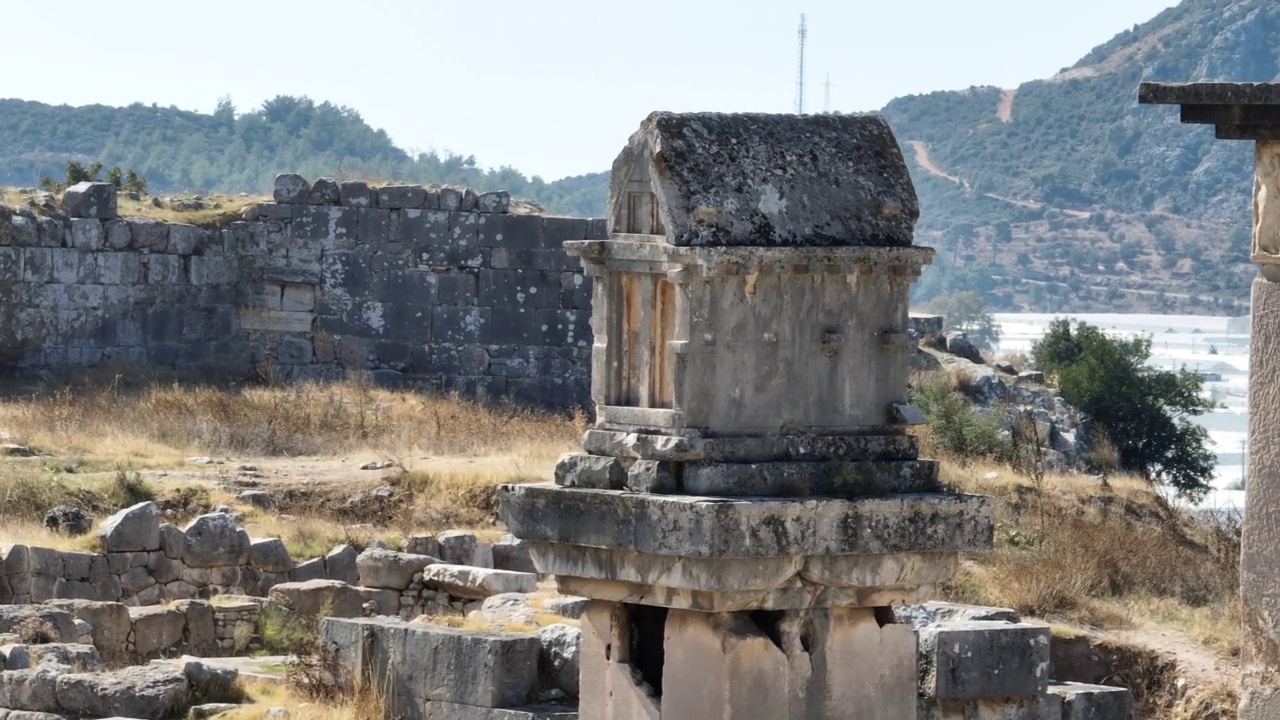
column 552, row 88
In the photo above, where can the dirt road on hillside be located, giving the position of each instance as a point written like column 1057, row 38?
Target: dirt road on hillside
column 1004, row 110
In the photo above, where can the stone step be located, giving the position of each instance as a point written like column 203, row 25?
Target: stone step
column 811, row 479
column 774, row 448
column 983, row 659
column 1091, row 702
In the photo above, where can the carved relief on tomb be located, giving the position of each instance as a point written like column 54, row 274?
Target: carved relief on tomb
column 1266, row 205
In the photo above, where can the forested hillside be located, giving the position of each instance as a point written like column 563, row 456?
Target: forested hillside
column 233, row 152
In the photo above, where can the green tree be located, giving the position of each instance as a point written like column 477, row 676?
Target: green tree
column 967, row 311
column 1143, row 410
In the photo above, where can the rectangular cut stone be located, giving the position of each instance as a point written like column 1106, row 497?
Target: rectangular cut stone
column 727, row 652
column 613, row 689
column 275, row 320
column 770, row 448
column 692, row 526
column 452, row 711
column 811, row 479
column 978, row 659
column 1092, row 702
column 420, row 663
column 1020, row 708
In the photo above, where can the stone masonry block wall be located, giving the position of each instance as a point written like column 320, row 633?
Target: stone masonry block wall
column 438, row 287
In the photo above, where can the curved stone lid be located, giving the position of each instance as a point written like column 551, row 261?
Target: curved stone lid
column 771, row 180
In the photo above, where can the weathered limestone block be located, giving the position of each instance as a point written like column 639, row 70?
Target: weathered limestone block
column 1043, row 707
column 422, row 545
column 313, row 569
column 693, row 526
column 422, row 663
column 33, row 690
column 341, row 564
column 477, row 583
column 355, row 193
column 493, row 202
column 164, row 569
column 1092, row 702
column 291, row 189
column 90, row 200
column 380, row 568
column 148, row 691
column 559, row 660
column 772, row 448
column 213, row 540
column 84, row 658
column 592, row 472
column 45, row 561
column 110, row 621
column 811, row 479
column 63, row 622
column 402, row 196
column 458, row 547
column 86, row 234
column 270, row 555
column 314, row 597
column 437, row 710
column 156, row 628
column 512, row 553
column 653, row 476
column 325, row 191
column 134, row 529
column 930, row 613
column 979, row 659
column 199, row 633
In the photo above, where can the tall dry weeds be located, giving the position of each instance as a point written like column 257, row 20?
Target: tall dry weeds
column 295, row 420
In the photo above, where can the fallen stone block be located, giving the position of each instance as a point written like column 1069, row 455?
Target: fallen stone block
column 90, row 200
column 213, row 540
column 83, row 658
column 435, row 710
column 341, row 564
column 270, row 555
column 422, row 545
column 512, row 553
column 148, row 691
column 929, row 613
column 428, row 663
column 477, row 583
column 313, row 569
column 459, row 547
column 982, row 659
column 331, row 598
column 133, row 529
column 34, row 690
column 380, row 568
column 156, row 628
column 61, row 623
column 291, row 189
column 1092, row 702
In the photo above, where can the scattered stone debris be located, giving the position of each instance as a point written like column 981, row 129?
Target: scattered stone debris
column 378, row 465
column 68, row 520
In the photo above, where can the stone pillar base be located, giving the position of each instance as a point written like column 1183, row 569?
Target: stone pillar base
column 836, row 664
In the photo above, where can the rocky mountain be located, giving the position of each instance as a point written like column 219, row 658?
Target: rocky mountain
column 1064, row 194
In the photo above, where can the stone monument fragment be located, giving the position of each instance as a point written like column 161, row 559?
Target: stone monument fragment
column 749, row 506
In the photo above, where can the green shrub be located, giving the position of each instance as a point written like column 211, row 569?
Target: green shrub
column 953, row 423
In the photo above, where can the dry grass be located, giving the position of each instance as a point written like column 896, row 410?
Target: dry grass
column 363, row 704
column 108, row 423
column 1074, row 540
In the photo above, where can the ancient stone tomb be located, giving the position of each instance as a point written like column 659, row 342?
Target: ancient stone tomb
column 749, row 505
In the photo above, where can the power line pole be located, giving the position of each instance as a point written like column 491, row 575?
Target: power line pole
column 826, row 95
column 804, row 34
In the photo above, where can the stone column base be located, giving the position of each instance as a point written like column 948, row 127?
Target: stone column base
column 662, row 664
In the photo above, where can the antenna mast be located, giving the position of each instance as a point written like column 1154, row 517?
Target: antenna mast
column 826, row 95
column 804, row 34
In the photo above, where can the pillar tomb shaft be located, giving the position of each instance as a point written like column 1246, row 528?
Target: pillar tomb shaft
column 749, row 504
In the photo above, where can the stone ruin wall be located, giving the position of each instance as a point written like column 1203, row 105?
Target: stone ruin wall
column 442, row 288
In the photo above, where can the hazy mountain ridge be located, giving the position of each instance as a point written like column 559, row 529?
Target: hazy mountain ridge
column 1126, row 194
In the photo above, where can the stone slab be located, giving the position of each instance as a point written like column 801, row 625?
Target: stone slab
column 981, row 659
column 773, row 448
column 705, row 527
column 811, row 479
column 1093, row 702
column 1209, row 93
column 434, row 710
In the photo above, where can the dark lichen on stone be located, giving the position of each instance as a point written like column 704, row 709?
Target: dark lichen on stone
column 773, row 180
